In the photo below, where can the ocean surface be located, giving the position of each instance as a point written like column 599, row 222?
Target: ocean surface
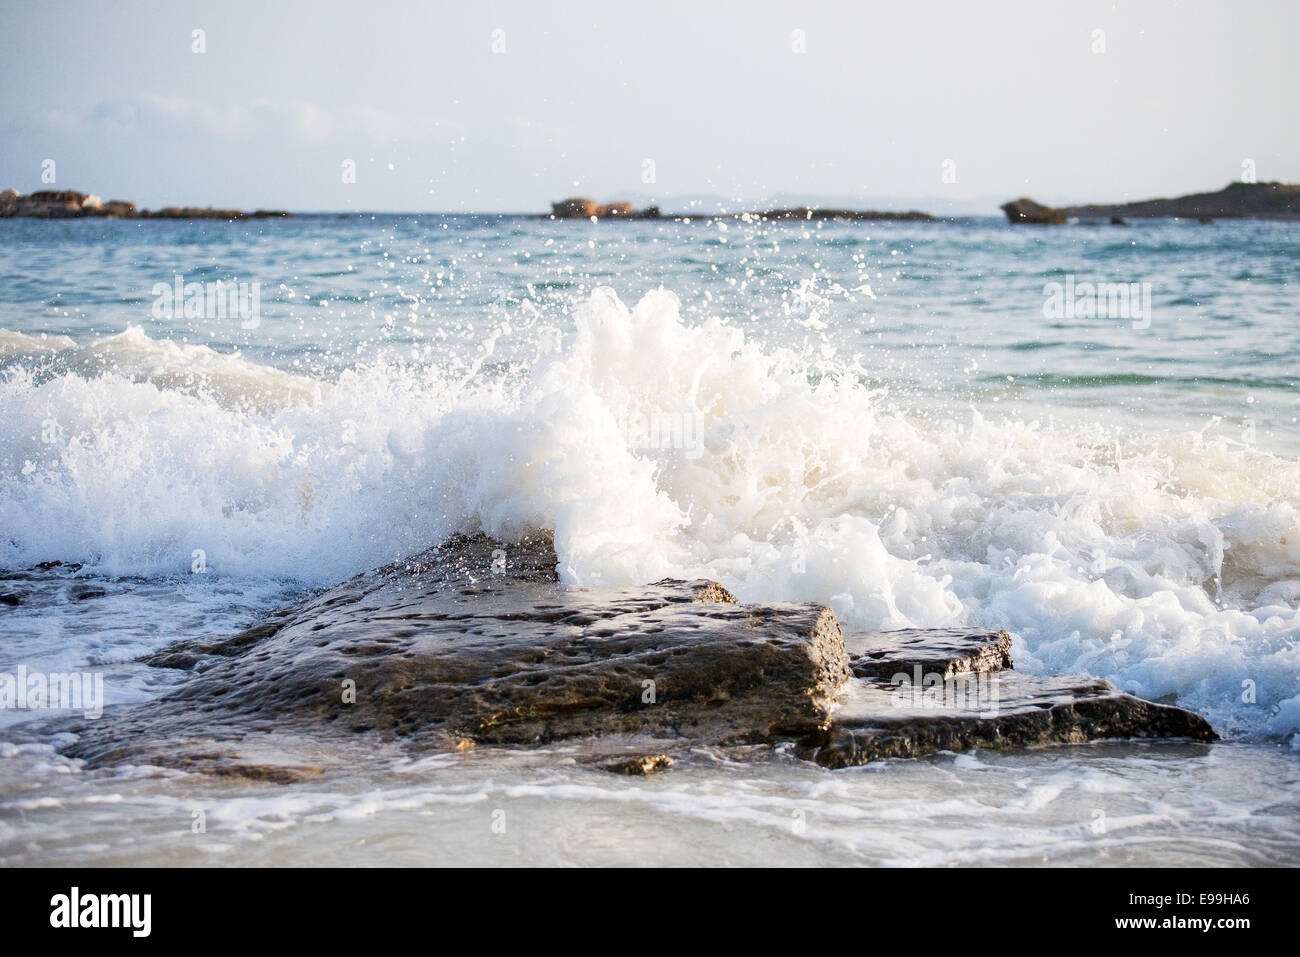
column 901, row 420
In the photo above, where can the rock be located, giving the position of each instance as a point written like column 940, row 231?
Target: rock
column 475, row 643
column 575, row 208
column 997, row 711
column 84, row 592
column 805, row 212
column 580, row 208
column 649, row 764
column 445, row 648
column 1234, row 201
column 47, row 204
column 115, row 209
column 69, row 204
column 1025, row 210
column 1118, row 221
column 8, row 598
column 942, row 651
column 192, row 212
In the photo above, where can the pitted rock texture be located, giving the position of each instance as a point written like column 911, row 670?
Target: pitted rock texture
column 475, row 642
column 942, row 651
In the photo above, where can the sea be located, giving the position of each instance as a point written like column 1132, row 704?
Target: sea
column 1087, row 435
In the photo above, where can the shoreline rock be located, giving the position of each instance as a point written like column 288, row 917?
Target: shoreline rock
column 475, row 643
column 1235, row 201
column 1027, row 711
column 70, row 204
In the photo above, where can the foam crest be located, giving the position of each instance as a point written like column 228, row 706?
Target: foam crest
column 655, row 447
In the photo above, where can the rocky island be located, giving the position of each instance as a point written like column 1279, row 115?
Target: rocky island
column 70, row 204
column 818, row 212
column 579, row 208
column 474, row 643
column 1234, row 201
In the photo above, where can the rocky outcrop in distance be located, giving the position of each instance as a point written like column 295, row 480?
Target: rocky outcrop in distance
column 475, row 643
column 578, row 208
column 1234, row 201
column 817, row 212
column 70, row 204
column 1025, row 210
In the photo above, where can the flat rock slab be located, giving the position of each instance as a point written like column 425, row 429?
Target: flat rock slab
column 942, row 651
column 476, row 643
column 1000, row 711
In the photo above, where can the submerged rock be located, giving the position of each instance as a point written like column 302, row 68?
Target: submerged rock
column 476, row 643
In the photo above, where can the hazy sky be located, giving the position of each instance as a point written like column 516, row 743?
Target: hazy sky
column 716, row 95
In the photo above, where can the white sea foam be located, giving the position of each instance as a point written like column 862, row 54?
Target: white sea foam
column 15, row 343
column 1170, row 564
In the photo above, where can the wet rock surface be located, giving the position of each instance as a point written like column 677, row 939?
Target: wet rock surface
column 999, row 710
column 942, row 651
column 639, row 766
column 475, row 643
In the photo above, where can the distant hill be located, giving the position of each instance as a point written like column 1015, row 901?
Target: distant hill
column 1234, row 201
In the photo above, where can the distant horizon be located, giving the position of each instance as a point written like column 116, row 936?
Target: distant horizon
column 429, row 108
column 670, row 205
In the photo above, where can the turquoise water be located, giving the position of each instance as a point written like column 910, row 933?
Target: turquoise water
column 887, row 417
column 958, row 307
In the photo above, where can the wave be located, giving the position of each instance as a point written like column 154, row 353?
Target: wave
column 168, row 365
column 652, row 447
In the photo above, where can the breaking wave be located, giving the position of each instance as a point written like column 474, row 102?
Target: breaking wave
column 1167, row 563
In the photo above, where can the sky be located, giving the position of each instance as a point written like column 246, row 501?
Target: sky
column 505, row 107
